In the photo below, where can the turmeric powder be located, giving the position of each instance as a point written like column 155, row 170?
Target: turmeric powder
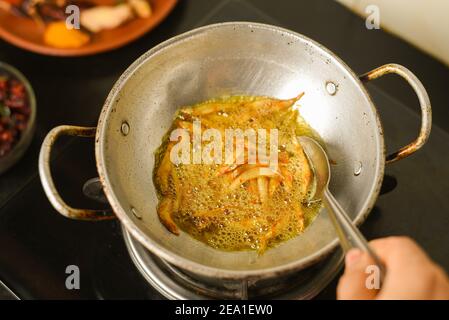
column 58, row 35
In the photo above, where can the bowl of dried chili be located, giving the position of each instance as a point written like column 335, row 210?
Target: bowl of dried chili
column 17, row 115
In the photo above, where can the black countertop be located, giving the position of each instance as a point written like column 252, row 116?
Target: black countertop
column 36, row 243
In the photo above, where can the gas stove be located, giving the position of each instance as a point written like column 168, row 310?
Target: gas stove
column 176, row 284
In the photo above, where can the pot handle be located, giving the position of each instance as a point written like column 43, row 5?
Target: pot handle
column 424, row 102
column 47, row 180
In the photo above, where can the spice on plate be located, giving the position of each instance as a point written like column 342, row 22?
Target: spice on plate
column 141, row 7
column 14, row 112
column 105, row 17
column 95, row 16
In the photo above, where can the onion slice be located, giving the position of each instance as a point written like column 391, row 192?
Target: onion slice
column 262, row 183
column 253, row 174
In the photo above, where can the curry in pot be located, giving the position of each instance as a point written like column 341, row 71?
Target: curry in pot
column 238, row 200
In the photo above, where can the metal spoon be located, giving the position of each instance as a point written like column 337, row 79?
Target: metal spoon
column 350, row 237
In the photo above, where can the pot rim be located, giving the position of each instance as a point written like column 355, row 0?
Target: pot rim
column 187, row 264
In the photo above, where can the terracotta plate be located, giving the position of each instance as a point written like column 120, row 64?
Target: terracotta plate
column 26, row 34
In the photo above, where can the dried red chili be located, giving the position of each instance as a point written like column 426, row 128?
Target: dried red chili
column 14, row 112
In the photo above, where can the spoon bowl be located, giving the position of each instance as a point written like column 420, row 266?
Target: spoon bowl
column 350, row 237
column 319, row 164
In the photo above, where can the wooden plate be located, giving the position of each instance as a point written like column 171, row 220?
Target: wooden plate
column 26, row 34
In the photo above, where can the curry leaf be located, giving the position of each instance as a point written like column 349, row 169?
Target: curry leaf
column 4, row 110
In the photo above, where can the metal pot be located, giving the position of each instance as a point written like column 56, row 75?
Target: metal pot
column 230, row 59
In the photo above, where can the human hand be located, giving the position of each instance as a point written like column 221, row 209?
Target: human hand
column 410, row 274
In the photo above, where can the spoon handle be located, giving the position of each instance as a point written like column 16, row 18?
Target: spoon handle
column 350, row 237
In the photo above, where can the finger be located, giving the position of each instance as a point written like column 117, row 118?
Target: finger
column 394, row 251
column 352, row 285
column 442, row 289
column 410, row 272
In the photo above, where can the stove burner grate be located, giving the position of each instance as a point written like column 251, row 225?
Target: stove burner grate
column 174, row 283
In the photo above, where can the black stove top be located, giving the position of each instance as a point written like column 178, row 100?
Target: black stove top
column 37, row 244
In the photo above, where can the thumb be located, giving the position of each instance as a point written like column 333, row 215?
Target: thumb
column 352, row 285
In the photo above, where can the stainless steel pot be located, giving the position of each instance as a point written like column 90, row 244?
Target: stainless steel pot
column 223, row 59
